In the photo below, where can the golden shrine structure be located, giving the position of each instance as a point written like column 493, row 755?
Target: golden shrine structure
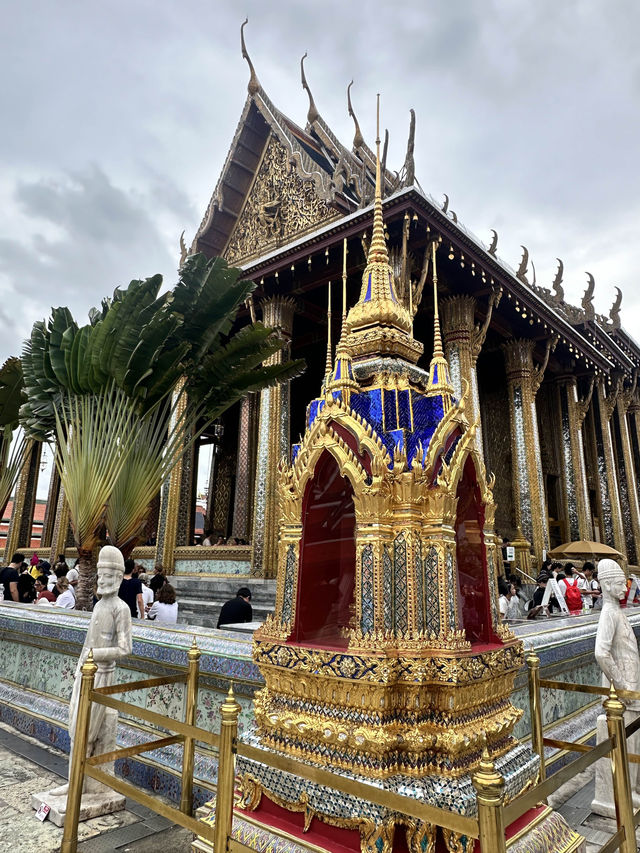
column 385, row 659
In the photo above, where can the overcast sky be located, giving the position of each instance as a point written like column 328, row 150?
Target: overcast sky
column 117, row 116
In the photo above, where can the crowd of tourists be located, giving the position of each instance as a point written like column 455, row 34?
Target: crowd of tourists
column 578, row 588
column 37, row 582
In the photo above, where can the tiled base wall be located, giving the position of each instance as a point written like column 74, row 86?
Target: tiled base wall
column 40, row 649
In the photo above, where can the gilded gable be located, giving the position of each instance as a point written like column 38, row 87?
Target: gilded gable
column 279, row 207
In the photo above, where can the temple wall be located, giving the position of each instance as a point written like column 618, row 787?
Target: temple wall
column 227, row 561
column 41, row 646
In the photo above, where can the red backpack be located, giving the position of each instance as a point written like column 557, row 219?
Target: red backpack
column 573, row 596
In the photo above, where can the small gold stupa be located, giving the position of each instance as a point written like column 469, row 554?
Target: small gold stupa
column 385, row 659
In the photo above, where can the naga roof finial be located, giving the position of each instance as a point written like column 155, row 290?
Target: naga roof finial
column 587, row 299
column 557, row 282
column 524, row 263
column 313, row 114
column 494, row 243
column 409, row 163
column 358, row 139
column 253, row 86
column 614, row 313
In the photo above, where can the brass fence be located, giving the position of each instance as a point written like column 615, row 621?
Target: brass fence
column 489, row 826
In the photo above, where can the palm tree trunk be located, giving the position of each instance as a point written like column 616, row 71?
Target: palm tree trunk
column 87, row 579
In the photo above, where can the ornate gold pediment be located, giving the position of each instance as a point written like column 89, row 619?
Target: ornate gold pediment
column 280, row 207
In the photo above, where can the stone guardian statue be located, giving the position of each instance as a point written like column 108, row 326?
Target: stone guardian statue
column 109, row 637
column 617, row 655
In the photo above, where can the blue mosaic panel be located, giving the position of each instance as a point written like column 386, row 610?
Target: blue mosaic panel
column 567, row 464
column 431, row 598
column 524, row 490
column 419, row 576
column 295, row 449
column 366, row 567
column 387, row 588
column 404, row 410
column 289, row 582
column 451, row 583
column 400, row 583
column 390, row 418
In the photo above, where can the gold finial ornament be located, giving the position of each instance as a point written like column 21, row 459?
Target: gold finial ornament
column 379, row 324
column 329, row 350
column 439, row 379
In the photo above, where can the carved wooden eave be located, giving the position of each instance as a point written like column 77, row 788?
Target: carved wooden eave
column 414, row 200
column 628, row 345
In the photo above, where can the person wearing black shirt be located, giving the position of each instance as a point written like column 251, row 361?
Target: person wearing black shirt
column 158, row 580
column 131, row 591
column 9, row 578
column 237, row 609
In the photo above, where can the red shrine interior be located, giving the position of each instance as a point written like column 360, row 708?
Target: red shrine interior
column 326, row 583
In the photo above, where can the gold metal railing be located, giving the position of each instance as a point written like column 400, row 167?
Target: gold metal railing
column 493, row 815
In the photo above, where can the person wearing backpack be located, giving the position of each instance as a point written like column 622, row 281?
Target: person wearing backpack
column 570, row 589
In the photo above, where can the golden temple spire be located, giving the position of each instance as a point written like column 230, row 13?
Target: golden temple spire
column 379, row 324
column 438, row 352
column 439, row 379
column 329, row 359
column 253, row 86
column 344, row 287
column 378, row 247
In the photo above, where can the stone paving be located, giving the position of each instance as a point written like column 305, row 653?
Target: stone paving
column 26, row 765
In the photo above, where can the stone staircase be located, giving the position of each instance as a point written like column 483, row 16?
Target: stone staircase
column 200, row 598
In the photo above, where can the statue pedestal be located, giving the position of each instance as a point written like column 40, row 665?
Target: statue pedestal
column 603, row 802
column 92, row 805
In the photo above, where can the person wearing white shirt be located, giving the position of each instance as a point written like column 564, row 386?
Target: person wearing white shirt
column 589, row 586
column 165, row 610
column 66, row 597
column 147, row 593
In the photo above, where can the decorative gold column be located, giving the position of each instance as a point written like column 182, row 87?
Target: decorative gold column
column 170, row 507
column 245, row 467
column 273, row 445
column 21, row 524
column 633, row 425
column 574, row 473
column 604, row 406
column 49, row 521
column 523, row 381
column 463, row 341
column 60, row 532
column 627, row 477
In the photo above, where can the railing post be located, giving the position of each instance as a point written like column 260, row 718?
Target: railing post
column 535, row 706
column 78, row 757
column 489, row 785
column 620, row 771
column 226, row 772
column 188, row 755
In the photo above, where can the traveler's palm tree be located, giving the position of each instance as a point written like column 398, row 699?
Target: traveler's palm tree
column 13, row 446
column 125, row 395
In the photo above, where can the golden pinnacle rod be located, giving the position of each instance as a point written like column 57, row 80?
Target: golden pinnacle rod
column 329, row 347
column 437, row 340
column 344, row 282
